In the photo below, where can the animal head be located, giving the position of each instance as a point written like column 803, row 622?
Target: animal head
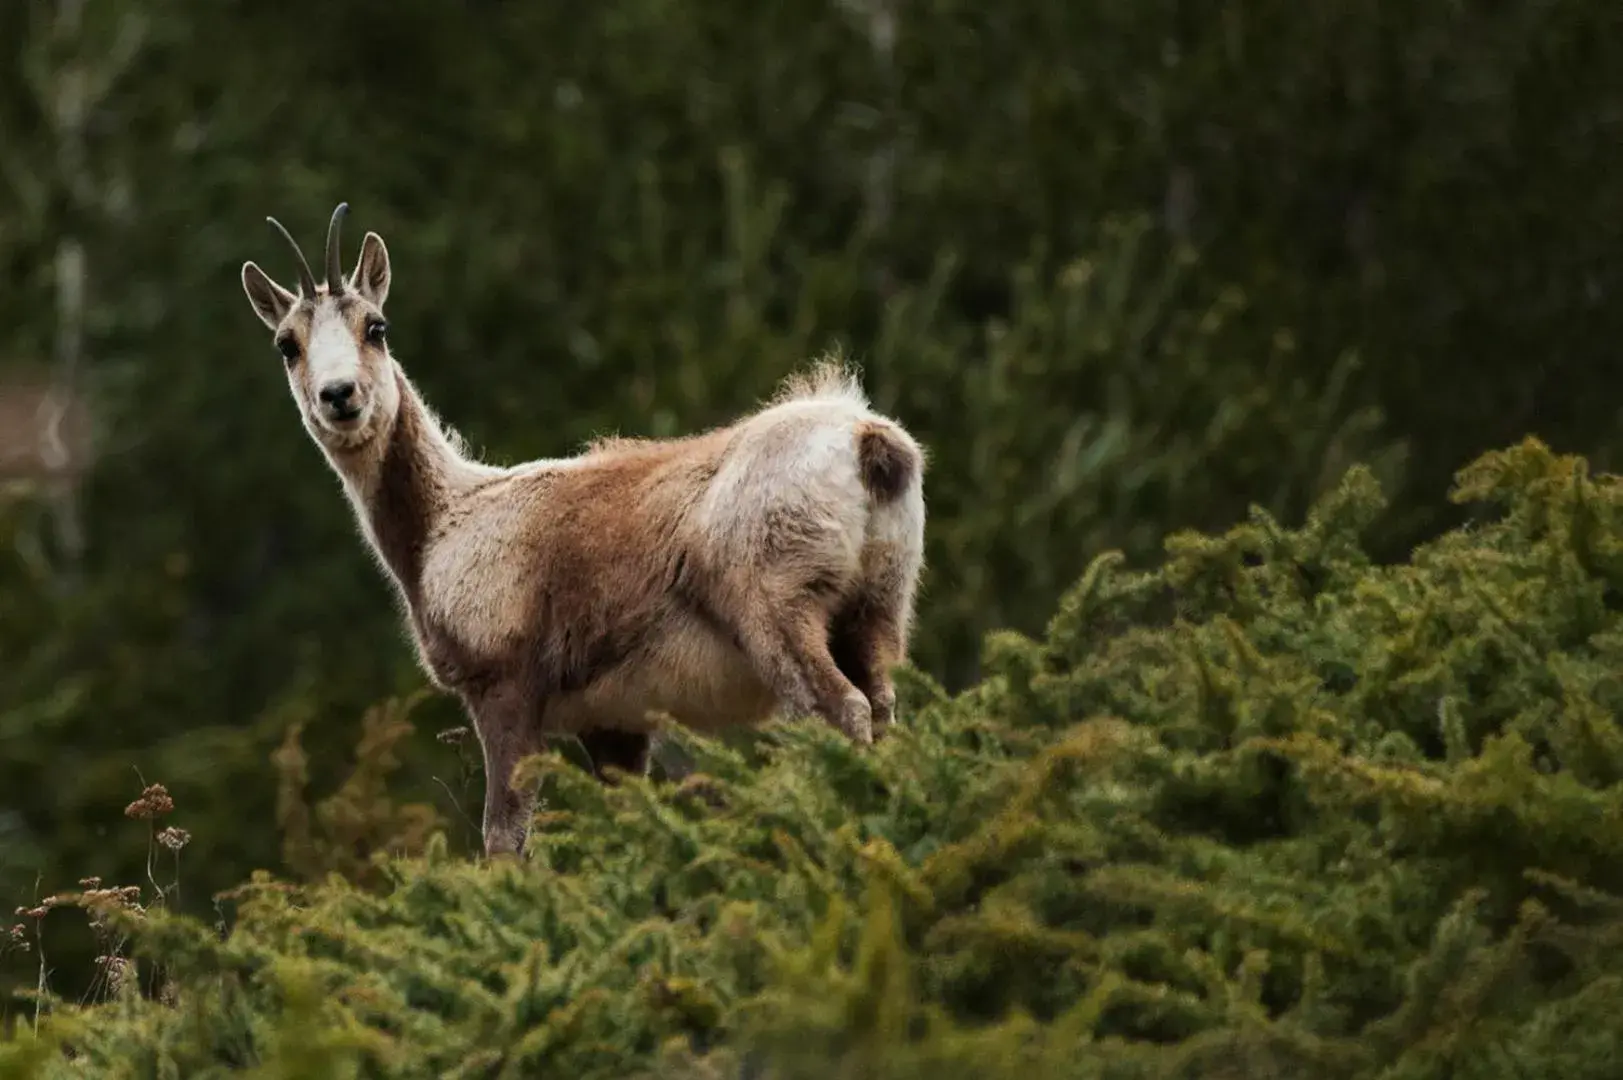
column 332, row 339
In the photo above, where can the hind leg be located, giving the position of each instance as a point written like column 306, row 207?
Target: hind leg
column 627, row 751
column 867, row 641
column 870, row 633
column 788, row 642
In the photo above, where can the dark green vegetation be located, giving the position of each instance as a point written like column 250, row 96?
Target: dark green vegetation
column 1267, row 811
column 1126, row 266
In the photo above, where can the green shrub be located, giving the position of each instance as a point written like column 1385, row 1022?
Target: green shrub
column 1266, row 810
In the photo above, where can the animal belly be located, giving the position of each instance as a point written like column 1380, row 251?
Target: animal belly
column 700, row 680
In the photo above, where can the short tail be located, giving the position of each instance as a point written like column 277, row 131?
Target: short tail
column 890, row 461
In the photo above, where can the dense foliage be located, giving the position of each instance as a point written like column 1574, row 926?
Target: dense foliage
column 1267, row 810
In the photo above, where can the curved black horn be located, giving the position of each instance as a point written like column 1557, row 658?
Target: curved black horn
column 307, row 280
column 335, row 275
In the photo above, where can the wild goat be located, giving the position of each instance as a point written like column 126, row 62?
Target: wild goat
column 767, row 566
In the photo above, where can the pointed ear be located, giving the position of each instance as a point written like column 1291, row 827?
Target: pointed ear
column 271, row 302
column 371, row 276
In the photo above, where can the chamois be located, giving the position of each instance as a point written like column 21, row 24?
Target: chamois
column 766, row 567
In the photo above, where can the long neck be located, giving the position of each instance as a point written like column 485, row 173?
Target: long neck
column 402, row 486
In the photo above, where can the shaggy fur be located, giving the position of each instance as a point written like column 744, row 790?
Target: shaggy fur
column 767, row 566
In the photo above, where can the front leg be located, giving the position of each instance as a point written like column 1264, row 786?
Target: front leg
column 506, row 722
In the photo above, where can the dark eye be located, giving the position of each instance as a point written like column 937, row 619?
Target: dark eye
column 375, row 331
column 288, row 346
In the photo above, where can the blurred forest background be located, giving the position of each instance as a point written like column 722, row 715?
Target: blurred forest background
column 1125, row 266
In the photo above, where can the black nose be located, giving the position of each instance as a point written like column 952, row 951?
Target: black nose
column 337, row 393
